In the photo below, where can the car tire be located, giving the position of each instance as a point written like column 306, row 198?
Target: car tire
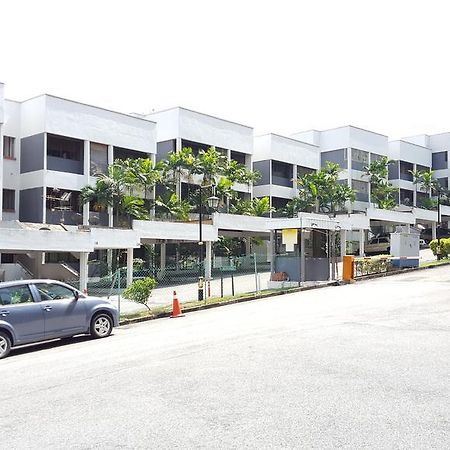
column 101, row 326
column 5, row 345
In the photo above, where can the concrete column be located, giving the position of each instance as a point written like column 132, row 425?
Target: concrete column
column 109, row 258
column 361, row 242
column 110, row 154
column 44, row 184
column 343, row 243
column 349, row 178
column 270, row 251
column 163, row 259
column 208, row 257
column 433, row 230
column 83, row 271
column 302, row 256
column 129, row 266
column 38, row 261
column 87, row 176
column 86, row 214
column 248, row 247
column 110, row 209
column 110, row 217
column 294, row 179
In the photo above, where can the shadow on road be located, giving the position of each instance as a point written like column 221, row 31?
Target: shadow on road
column 47, row 345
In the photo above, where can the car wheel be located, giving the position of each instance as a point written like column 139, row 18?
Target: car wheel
column 5, row 345
column 101, row 326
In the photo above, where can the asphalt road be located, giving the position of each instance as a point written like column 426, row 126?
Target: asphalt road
column 359, row 366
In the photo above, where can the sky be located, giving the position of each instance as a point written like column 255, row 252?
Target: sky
column 279, row 66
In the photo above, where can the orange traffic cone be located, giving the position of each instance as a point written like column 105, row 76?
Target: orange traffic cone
column 176, row 308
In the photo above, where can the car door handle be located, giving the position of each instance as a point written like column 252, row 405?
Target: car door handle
column 4, row 313
column 47, row 308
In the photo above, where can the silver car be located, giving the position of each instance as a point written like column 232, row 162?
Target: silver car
column 38, row 310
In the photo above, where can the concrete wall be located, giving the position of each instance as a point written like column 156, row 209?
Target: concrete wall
column 32, row 153
column 202, row 128
column 286, row 149
column 29, row 211
column 409, row 152
column 264, row 168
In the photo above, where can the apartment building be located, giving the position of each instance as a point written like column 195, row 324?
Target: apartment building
column 353, row 149
column 281, row 160
column 53, row 147
column 180, row 127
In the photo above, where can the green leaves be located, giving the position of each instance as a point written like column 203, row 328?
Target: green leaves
column 256, row 207
column 140, row 290
column 382, row 192
column 171, row 206
column 320, row 192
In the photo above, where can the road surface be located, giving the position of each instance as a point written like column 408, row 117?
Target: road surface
column 359, row 366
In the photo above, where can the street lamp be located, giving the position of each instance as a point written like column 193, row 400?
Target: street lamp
column 213, row 203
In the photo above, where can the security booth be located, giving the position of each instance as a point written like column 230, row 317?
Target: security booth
column 306, row 248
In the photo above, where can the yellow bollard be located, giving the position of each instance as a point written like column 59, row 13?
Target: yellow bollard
column 348, row 269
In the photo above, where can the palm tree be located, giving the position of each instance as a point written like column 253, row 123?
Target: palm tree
column 109, row 189
column 382, row 192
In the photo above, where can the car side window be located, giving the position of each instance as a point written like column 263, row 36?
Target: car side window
column 50, row 291
column 15, row 295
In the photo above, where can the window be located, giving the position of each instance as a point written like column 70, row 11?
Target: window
column 50, row 291
column 9, row 200
column 361, row 189
column 15, row 295
column 99, row 159
column 360, row 159
column 8, row 147
column 439, row 160
column 65, row 148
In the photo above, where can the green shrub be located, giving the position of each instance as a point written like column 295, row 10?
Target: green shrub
column 140, row 290
column 445, row 247
column 374, row 264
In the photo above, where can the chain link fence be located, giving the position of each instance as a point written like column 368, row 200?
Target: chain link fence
column 229, row 277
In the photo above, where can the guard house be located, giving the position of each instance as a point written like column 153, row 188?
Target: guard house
column 303, row 249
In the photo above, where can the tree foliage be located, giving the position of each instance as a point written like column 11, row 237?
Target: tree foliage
column 321, row 191
column 140, row 290
column 382, row 192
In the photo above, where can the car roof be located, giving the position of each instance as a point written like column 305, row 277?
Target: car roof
column 31, row 281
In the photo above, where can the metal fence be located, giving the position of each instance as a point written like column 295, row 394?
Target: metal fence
column 229, row 277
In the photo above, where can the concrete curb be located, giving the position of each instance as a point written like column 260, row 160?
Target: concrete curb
column 230, row 302
column 275, row 294
column 398, row 272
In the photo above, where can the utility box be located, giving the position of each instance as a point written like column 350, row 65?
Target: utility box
column 405, row 249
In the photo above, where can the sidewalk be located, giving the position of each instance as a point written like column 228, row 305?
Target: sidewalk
column 162, row 296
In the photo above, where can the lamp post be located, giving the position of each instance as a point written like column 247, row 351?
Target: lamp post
column 439, row 251
column 213, row 203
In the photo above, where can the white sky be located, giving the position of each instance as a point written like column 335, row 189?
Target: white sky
column 281, row 66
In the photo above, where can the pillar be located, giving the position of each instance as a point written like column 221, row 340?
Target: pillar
column 208, row 260
column 433, row 230
column 109, row 260
column 129, row 266
column 343, row 243
column 110, row 209
column 87, row 177
column 361, row 242
column 248, row 247
column 270, row 251
column 83, row 271
column 162, row 265
column 302, row 256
